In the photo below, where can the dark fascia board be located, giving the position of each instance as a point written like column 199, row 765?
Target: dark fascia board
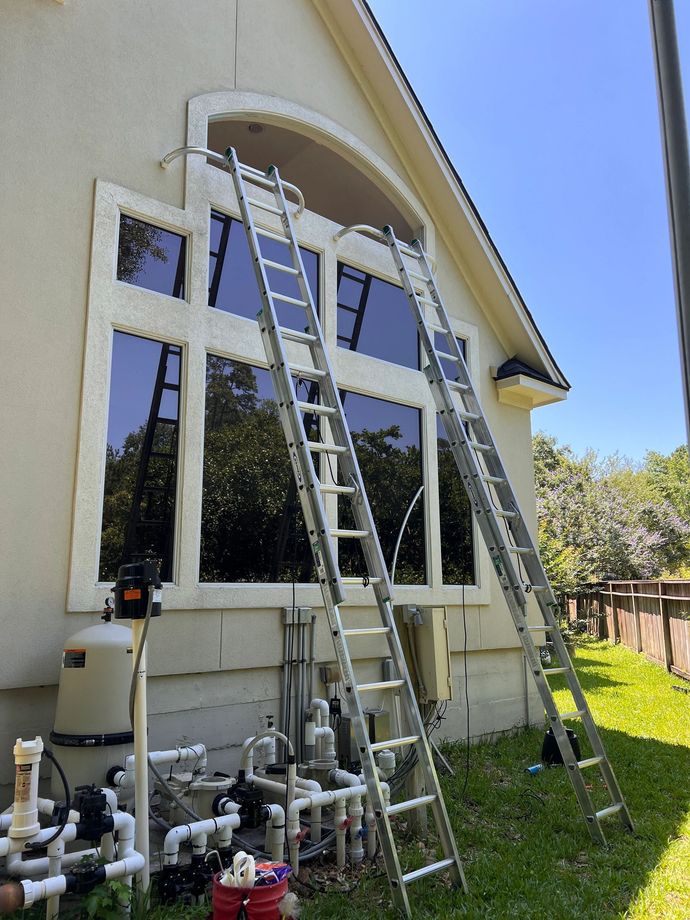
column 565, row 385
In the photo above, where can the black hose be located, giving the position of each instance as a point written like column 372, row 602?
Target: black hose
column 39, row 844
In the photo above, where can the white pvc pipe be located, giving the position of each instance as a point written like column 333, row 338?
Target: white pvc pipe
column 141, row 769
column 342, row 778
column 277, row 818
column 341, row 826
column 327, row 797
column 196, row 752
column 370, row 818
column 246, row 756
column 123, row 823
column 355, row 813
column 196, row 833
column 325, row 732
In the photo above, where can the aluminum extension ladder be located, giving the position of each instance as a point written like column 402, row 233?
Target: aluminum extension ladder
column 493, row 501
column 322, row 537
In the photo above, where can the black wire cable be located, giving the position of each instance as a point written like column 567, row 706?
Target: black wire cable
column 38, row 844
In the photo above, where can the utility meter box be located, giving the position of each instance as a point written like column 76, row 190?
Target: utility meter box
column 424, row 636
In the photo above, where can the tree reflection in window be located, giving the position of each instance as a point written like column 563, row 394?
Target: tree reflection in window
column 141, row 455
column 457, row 548
column 387, row 438
column 252, row 529
column 151, row 257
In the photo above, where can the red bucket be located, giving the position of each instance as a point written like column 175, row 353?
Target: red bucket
column 261, row 902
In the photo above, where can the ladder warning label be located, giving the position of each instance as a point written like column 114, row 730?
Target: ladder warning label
column 22, row 783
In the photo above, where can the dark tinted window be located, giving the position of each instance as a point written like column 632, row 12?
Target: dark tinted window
column 150, row 257
column 457, row 552
column 387, row 439
column 232, row 282
column 252, row 527
column 374, row 318
column 141, row 456
column 449, row 367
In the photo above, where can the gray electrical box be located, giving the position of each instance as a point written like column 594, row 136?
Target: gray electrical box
column 424, row 630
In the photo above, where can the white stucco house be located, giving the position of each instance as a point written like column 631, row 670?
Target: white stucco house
column 111, row 263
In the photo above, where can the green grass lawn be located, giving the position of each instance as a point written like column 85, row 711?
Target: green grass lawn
column 523, row 841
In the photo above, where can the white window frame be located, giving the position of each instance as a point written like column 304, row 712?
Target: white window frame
column 200, row 329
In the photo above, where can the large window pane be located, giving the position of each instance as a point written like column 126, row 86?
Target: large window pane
column 252, row 527
column 387, row 439
column 374, row 318
column 141, row 456
column 232, row 282
column 150, row 257
column 457, row 550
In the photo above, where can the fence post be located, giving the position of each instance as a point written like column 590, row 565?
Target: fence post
column 636, row 617
column 614, row 618
column 665, row 630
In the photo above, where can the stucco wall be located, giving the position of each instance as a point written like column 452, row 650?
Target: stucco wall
column 96, row 90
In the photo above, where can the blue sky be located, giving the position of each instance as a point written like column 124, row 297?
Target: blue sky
column 548, row 111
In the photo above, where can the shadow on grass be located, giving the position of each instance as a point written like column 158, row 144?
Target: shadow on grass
column 524, row 843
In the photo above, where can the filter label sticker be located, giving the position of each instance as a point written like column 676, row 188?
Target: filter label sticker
column 74, row 658
column 157, row 596
column 132, row 594
column 22, row 783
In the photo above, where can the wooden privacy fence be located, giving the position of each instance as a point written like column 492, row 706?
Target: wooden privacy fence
column 648, row 616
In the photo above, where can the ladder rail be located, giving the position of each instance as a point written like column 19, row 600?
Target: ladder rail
column 496, row 518
column 322, row 538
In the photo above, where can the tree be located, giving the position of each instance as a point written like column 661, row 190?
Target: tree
column 600, row 519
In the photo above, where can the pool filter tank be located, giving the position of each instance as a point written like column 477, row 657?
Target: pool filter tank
column 92, row 730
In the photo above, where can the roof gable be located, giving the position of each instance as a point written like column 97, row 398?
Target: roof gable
column 369, row 54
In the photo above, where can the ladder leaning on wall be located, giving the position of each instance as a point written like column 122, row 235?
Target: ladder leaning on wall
column 259, row 218
column 501, row 524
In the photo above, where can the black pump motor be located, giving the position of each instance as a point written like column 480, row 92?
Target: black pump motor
column 132, row 591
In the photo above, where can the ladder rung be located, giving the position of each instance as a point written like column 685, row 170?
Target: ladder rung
column 444, row 356
column 538, row 589
column 367, row 630
column 293, row 335
column 359, row 583
column 317, row 409
column 457, row 386
column 426, row 300
column 543, row 628
column 521, row 550
column 427, row 870
column 477, row 445
column 510, row 515
column 272, row 235
column 417, row 275
column 380, row 685
column 611, row 810
column 286, row 299
column 589, row 762
column 332, row 489
column 350, row 534
column 406, row 251
column 576, row 714
column 319, row 446
column 468, row 416
column 434, row 327
column 401, row 807
column 494, row 480
column 257, row 178
column 288, row 269
column 271, row 208
column 394, row 743
column 308, row 373
column 549, row 671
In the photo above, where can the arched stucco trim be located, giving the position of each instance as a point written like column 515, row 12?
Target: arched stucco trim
column 240, row 105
